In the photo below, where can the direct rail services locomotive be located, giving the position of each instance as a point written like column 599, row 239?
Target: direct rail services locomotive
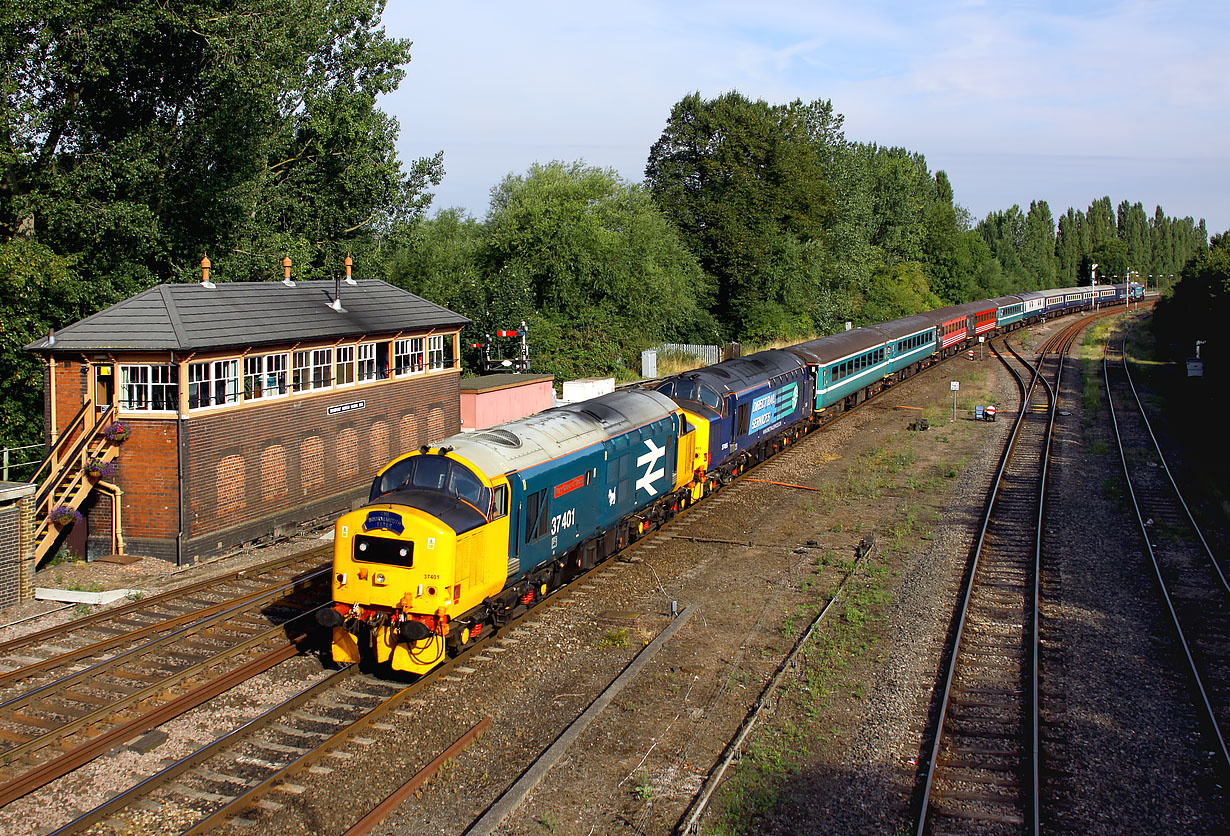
column 461, row 536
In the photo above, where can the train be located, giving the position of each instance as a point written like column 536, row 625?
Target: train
column 461, row 536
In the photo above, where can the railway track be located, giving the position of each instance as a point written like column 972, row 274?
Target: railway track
column 59, row 717
column 983, row 771
column 301, row 740
column 199, row 787
column 231, row 780
column 40, row 655
column 1192, row 583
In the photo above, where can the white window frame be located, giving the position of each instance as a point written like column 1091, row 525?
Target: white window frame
column 344, row 358
column 213, row 383
column 301, row 371
column 365, row 368
column 408, row 356
column 435, row 352
column 138, row 395
column 271, row 372
column 322, row 368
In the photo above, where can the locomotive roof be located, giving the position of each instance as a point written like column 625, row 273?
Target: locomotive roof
column 526, row 442
column 743, row 372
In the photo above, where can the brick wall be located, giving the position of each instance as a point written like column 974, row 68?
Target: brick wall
column 69, row 393
column 16, row 543
column 253, row 469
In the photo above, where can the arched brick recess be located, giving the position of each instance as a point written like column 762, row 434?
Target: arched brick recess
column 273, row 472
column 230, row 485
column 312, row 463
column 347, row 452
column 380, row 444
column 408, row 434
column 437, row 425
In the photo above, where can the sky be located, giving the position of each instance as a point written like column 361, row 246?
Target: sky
column 1016, row 100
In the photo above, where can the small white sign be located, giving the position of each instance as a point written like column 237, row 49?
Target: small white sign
column 982, row 338
column 345, row 407
column 955, row 385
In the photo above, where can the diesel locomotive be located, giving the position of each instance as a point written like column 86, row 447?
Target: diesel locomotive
column 461, row 536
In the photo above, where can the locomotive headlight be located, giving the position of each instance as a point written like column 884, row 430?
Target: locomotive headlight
column 362, row 547
column 403, row 551
column 378, row 580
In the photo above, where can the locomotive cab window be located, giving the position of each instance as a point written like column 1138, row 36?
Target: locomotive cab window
column 433, row 473
column 499, row 502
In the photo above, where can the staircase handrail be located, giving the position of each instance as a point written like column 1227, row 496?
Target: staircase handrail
column 52, row 478
column 63, row 440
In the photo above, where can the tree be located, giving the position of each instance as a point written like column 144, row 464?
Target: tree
column 744, row 182
column 1199, row 305
column 1038, row 245
column 135, row 136
column 593, row 266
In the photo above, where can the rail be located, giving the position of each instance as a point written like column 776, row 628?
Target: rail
column 1199, row 621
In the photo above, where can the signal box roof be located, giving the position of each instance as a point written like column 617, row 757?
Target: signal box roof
column 192, row 317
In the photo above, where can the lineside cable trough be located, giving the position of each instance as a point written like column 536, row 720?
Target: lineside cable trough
column 506, row 804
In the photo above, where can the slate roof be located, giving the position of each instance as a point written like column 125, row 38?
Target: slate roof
column 191, row 317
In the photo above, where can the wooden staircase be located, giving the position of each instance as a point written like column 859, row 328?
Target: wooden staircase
column 63, row 480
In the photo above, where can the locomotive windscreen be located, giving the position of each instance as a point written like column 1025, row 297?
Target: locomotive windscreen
column 434, row 473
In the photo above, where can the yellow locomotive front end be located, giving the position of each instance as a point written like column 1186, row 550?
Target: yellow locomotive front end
column 411, row 569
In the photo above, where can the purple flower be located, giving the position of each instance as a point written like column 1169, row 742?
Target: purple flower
column 62, row 514
column 100, row 469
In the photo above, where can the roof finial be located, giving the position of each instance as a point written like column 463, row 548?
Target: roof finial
column 349, row 263
column 205, row 265
column 286, row 280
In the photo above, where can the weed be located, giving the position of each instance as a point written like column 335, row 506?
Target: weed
column 615, row 638
column 82, row 609
column 61, row 557
column 644, row 787
column 92, row 586
column 547, row 822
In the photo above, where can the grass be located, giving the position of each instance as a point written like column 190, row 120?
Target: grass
column 772, row 764
column 615, row 638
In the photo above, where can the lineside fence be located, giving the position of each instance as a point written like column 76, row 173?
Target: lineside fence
column 706, row 354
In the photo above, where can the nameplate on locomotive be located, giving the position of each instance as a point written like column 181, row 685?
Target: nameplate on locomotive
column 384, row 519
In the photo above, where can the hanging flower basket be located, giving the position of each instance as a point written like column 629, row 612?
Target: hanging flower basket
column 117, row 431
column 96, row 468
column 63, row 515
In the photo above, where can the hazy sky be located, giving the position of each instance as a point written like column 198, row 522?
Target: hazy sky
column 1016, row 100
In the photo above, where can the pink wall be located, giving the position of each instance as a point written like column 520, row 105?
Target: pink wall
column 482, row 409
